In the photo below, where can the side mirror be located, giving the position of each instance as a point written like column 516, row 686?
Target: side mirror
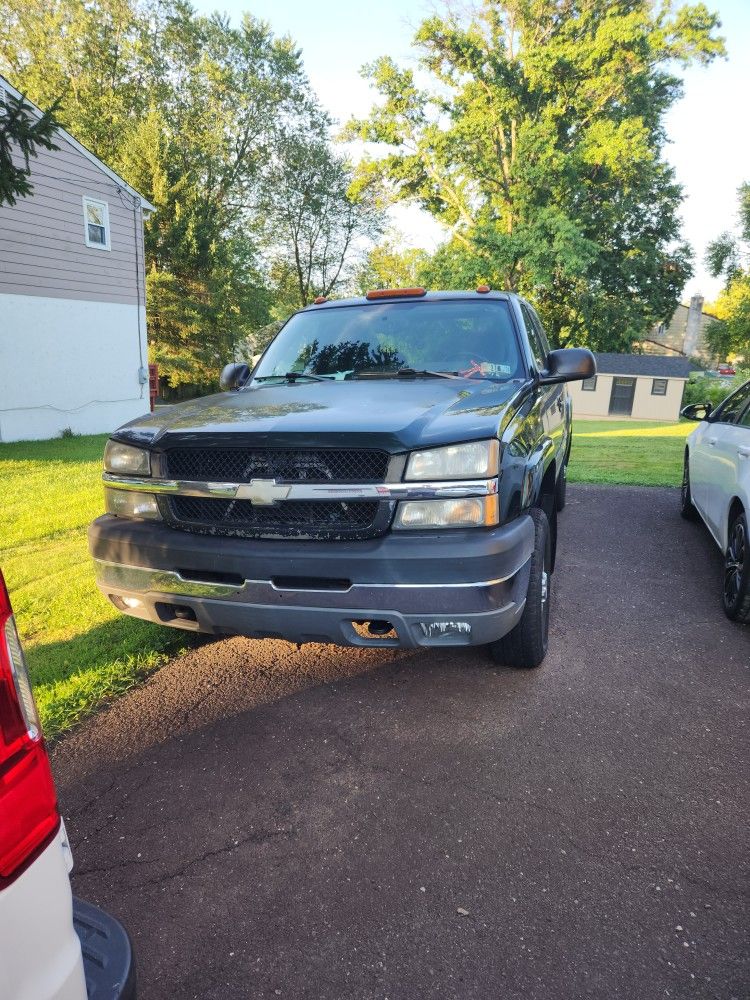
column 571, row 364
column 696, row 411
column 234, row 376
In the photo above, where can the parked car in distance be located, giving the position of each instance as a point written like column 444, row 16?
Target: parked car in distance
column 389, row 474
column 727, row 370
column 52, row 947
column 716, row 485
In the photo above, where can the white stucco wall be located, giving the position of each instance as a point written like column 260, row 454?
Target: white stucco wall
column 69, row 363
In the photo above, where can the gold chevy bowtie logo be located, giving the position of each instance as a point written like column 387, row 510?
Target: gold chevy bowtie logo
column 262, row 492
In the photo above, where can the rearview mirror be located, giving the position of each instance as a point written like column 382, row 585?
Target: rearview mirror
column 571, row 364
column 234, row 376
column 696, row 411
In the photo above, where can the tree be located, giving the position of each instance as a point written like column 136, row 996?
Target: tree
column 187, row 110
column 320, row 221
column 386, row 266
column 729, row 256
column 537, row 140
column 22, row 132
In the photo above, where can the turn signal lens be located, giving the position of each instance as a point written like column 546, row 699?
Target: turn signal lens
column 129, row 503
column 468, row 512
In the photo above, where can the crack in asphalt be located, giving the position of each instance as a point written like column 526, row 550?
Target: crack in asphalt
column 255, row 837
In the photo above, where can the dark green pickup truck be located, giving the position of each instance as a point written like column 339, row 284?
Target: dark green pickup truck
column 389, row 474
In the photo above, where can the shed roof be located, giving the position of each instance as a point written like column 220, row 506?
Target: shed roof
column 649, row 365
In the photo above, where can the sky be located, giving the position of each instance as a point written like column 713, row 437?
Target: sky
column 708, row 129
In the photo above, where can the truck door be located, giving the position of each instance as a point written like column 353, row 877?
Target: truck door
column 554, row 398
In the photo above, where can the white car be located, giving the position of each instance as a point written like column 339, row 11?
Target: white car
column 52, row 947
column 716, row 485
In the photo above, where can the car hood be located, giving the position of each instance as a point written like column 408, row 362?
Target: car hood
column 393, row 414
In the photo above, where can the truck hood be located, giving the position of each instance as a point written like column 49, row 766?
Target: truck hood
column 394, row 414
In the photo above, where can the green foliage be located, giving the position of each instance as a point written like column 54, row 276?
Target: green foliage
column 537, row 139
column 728, row 255
column 22, row 131
column 388, row 267
column 216, row 126
column 712, row 390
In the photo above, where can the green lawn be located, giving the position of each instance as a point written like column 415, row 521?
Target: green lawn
column 632, row 452
column 80, row 650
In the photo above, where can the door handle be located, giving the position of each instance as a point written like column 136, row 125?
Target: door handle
column 743, row 452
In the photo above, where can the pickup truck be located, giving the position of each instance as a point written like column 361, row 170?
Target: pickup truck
column 388, row 474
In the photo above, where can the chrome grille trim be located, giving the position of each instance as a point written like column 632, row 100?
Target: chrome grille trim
column 310, row 491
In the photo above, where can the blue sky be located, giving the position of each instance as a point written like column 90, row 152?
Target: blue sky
column 710, row 137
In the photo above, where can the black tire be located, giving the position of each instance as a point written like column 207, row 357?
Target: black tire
column 526, row 645
column 687, row 509
column 736, row 592
column 561, row 490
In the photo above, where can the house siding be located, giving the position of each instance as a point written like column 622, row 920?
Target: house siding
column 42, row 238
column 69, row 364
column 645, row 405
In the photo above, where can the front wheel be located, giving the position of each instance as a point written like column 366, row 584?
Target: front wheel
column 526, row 645
column 736, row 595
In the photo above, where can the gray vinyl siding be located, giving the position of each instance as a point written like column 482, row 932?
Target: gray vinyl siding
column 42, row 238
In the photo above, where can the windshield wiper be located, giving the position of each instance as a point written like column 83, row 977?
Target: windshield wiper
column 407, row 373
column 293, row 376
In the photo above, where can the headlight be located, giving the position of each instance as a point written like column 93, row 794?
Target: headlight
column 471, row 512
column 128, row 503
column 125, row 458
column 473, row 460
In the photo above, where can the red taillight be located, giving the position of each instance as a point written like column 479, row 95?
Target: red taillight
column 395, row 293
column 28, row 805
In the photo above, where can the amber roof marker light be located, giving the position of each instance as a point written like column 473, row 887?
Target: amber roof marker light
column 395, row 293
column 319, row 300
column 483, row 289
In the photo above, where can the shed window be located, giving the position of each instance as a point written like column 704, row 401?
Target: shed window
column 96, row 223
column 589, row 384
column 659, row 387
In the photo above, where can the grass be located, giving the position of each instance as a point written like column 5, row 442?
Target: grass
column 628, row 452
column 80, row 650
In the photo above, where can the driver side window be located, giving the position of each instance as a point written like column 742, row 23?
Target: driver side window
column 730, row 410
column 535, row 341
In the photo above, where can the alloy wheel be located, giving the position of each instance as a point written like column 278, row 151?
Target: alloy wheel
column 734, row 565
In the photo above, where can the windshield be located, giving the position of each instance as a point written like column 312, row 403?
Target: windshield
column 428, row 338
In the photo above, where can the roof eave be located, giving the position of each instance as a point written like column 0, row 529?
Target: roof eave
column 145, row 205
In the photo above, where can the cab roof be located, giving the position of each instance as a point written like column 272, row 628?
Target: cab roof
column 398, row 296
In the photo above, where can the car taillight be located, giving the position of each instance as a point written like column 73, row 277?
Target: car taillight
column 29, row 818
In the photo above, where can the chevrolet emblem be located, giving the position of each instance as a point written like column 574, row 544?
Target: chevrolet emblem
column 262, row 492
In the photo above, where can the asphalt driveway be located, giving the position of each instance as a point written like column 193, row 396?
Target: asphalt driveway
column 329, row 823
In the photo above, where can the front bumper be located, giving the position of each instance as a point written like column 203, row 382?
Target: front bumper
column 434, row 589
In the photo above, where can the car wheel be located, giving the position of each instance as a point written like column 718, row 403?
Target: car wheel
column 526, row 645
column 561, row 490
column 687, row 508
column 736, row 597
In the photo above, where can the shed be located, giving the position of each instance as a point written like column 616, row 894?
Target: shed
column 641, row 386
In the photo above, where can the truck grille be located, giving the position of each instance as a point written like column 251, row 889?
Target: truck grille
column 290, row 518
column 240, row 465
column 319, row 519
